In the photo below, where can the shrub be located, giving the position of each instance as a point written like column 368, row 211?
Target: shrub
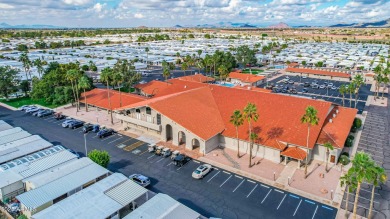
column 349, row 141
column 357, row 123
column 344, row 160
column 345, row 153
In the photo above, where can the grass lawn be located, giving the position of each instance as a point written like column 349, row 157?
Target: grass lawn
column 18, row 102
column 254, row 71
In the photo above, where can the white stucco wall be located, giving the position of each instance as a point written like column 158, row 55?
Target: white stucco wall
column 319, row 153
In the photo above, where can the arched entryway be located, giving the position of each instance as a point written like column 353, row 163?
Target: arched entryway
column 195, row 144
column 181, row 138
column 168, row 130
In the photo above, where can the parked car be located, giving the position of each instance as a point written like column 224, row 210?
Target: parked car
column 59, row 116
column 306, row 84
column 276, row 90
column 96, row 128
column 37, row 112
column 152, row 148
column 334, row 87
column 24, row 107
column 32, row 109
column 73, row 152
column 67, row 122
column 166, row 152
column 76, row 124
column 105, row 132
column 181, row 160
column 87, row 127
column 174, row 154
column 284, row 91
column 304, row 76
column 315, row 86
column 159, row 150
column 201, row 171
column 291, row 82
column 293, row 91
column 305, row 90
column 140, row 179
column 322, row 86
column 45, row 113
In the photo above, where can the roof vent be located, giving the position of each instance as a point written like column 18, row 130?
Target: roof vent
column 249, row 88
column 337, row 111
column 330, row 120
column 334, row 115
column 185, row 86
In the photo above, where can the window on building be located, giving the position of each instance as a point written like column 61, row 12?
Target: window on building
column 148, row 111
column 158, row 119
column 138, row 111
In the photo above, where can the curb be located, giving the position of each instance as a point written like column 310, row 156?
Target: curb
column 8, row 107
column 269, row 182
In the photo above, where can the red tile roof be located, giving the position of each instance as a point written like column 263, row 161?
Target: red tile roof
column 294, row 64
column 152, row 87
column 197, row 78
column 318, row 72
column 253, row 89
column 294, row 152
column 248, row 78
column 337, row 131
column 99, row 97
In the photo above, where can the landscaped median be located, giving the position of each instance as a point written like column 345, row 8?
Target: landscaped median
column 18, row 102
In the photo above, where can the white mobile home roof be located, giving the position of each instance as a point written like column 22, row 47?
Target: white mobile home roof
column 12, row 135
column 167, row 208
column 46, row 193
column 38, row 166
column 10, row 153
column 91, row 202
column 4, row 125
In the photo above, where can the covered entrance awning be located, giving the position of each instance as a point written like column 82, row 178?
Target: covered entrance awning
column 295, row 153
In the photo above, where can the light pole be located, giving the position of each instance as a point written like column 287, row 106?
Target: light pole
column 85, row 144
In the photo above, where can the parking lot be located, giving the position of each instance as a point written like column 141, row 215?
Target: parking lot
column 219, row 194
column 327, row 94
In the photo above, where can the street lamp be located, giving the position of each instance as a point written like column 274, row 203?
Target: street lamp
column 85, row 144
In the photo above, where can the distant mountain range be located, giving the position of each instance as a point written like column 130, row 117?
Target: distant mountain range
column 24, row 26
column 383, row 23
column 279, row 25
column 232, row 25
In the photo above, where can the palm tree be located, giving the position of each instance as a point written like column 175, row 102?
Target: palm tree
column 184, row 67
column 222, row 70
column 90, row 65
column 39, row 64
column 199, row 53
column 147, row 56
column 106, row 76
column 358, row 81
column 166, row 72
column 343, row 91
column 23, row 58
column 237, row 120
column 378, row 176
column 118, row 80
column 71, row 76
column 351, row 90
column 385, row 79
column 377, row 78
column 362, row 169
column 329, row 147
column 250, row 114
column 349, row 181
column 199, row 64
column 310, row 118
column 84, row 84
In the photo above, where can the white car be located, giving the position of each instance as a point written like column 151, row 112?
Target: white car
column 201, row 171
column 304, row 76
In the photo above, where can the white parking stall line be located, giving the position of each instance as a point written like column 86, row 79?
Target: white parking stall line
column 315, row 212
column 239, row 185
column 277, row 190
column 238, row 176
column 151, row 156
column 114, row 140
column 297, row 208
column 266, row 196
column 265, row 186
column 170, row 163
column 250, row 181
column 215, row 168
column 196, row 161
column 281, row 202
column 225, row 181
column 226, row 172
column 213, row 176
column 252, row 190
column 160, row 160
column 108, row 138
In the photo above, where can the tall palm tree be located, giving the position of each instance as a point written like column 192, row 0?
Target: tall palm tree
column 377, row 78
column 184, row 67
column 166, row 72
column 39, row 64
column 118, row 80
column 199, row 64
column 343, row 91
column 349, row 181
column 362, row 169
column 84, row 84
column 237, row 120
column 250, row 114
column 71, row 76
column 329, row 147
column 23, row 58
column 310, row 118
column 378, row 176
column 106, row 76
column 351, row 90
column 385, row 79
column 90, row 65
column 147, row 56
column 222, row 70
column 358, row 81
column 199, row 53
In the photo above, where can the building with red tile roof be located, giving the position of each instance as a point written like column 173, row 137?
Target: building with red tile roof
column 197, row 78
column 245, row 79
column 310, row 71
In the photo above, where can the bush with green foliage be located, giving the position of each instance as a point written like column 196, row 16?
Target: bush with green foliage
column 22, row 217
column 344, row 160
column 349, row 141
column 357, row 123
column 345, row 153
column 100, row 157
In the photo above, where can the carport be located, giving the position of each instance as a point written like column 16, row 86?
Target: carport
column 294, row 153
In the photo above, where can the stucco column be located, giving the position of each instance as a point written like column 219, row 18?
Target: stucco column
column 299, row 164
column 285, row 160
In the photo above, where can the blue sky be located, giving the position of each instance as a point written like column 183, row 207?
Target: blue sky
column 167, row 13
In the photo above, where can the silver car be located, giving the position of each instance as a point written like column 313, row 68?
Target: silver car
column 201, row 171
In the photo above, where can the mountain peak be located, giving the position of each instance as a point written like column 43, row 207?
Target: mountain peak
column 279, row 25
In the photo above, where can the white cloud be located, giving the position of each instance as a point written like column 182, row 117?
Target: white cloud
column 138, row 15
column 77, row 2
column 6, row 6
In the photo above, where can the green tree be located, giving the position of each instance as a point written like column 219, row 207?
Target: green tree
column 199, row 53
column 319, row 64
column 329, row 147
column 71, row 75
column 237, row 120
column 310, row 118
column 147, row 56
column 223, row 71
column 246, row 56
column 85, row 85
column 106, row 76
column 127, row 69
column 8, row 80
column 377, row 177
column 358, row 82
column 343, row 91
column 22, row 48
column 25, row 87
column 166, row 70
column 250, row 114
column 25, row 60
column 118, row 80
column 184, row 67
column 304, row 63
column 362, row 170
column 351, row 89
column 39, row 64
column 22, row 217
column 349, row 181
column 100, row 157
